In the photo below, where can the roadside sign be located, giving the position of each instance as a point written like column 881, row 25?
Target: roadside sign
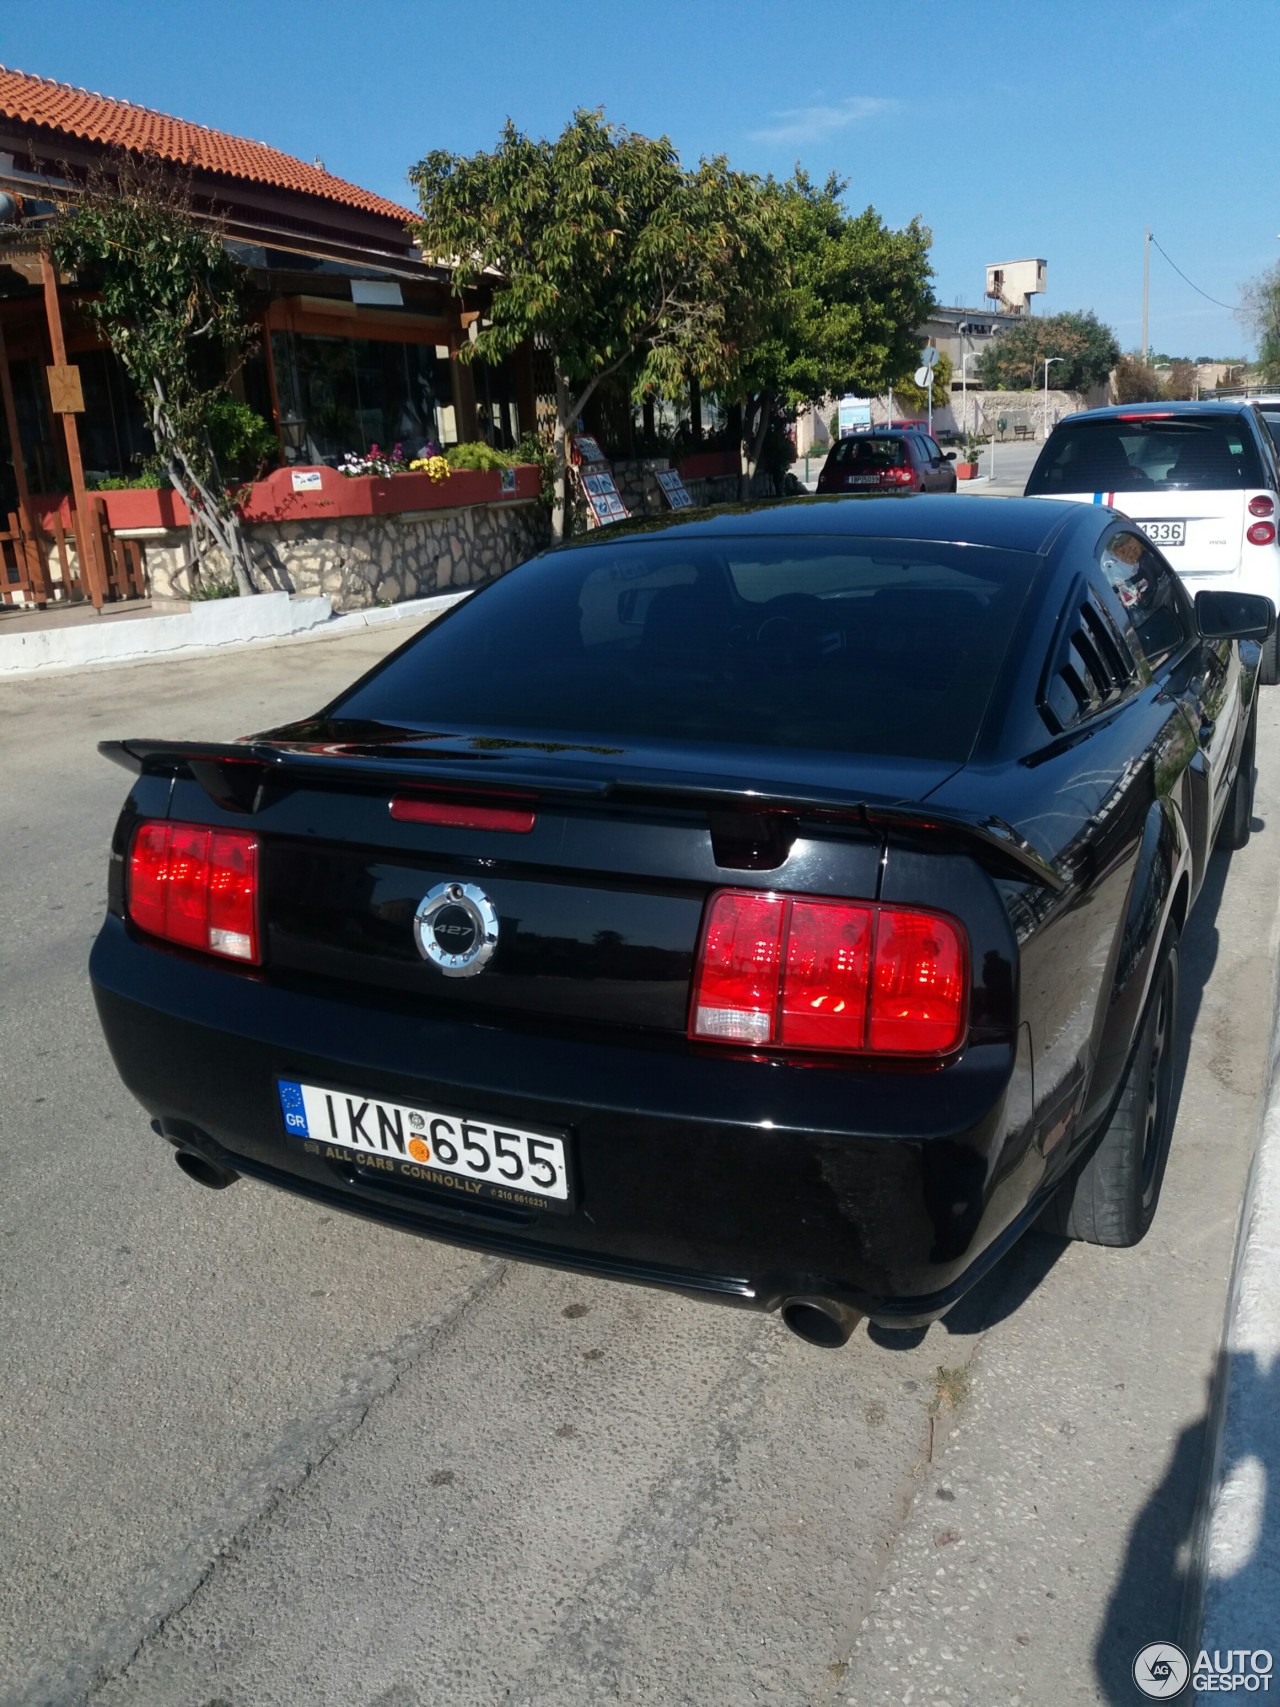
column 928, row 357
column 602, row 497
column 853, row 416
column 674, row 489
column 924, row 376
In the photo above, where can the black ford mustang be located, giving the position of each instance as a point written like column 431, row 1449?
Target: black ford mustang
column 778, row 905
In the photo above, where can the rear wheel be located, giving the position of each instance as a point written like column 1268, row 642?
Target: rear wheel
column 1269, row 672
column 1233, row 832
column 1110, row 1198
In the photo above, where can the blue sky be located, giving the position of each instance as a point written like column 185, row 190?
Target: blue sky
column 1014, row 128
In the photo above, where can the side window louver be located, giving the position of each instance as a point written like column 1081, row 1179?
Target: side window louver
column 1094, row 669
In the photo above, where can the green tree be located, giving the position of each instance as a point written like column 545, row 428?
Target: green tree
column 170, row 302
column 916, row 397
column 1260, row 311
column 600, row 245
column 828, row 303
column 1014, row 361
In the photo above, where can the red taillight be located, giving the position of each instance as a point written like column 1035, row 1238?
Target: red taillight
column 897, row 476
column 1261, row 533
column 1261, row 506
column 790, row 973
column 1147, row 415
column 197, row 887
column 462, row 815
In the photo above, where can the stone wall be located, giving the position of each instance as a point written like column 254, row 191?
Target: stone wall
column 1026, row 409
column 639, row 490
column 368, row 560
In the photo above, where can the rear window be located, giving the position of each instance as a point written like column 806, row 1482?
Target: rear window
column 1204, row 453
column 869, row 454
column 1271, row 419
column 866, row 646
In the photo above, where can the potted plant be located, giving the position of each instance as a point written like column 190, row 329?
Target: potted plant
column 968, row 469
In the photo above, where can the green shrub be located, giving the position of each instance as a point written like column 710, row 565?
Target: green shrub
column 242, row 441
column 535, row 448
column 478, row 455
column 151, row 474
column 127, row 483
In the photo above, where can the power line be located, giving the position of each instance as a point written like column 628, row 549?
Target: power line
column 1230, row 307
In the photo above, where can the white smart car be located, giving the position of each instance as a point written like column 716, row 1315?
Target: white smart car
column 1200, row 479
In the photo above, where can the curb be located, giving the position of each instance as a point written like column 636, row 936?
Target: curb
column 267, row 618
column 1233, row 1584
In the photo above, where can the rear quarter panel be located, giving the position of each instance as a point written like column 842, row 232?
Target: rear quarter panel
column 1108, row 808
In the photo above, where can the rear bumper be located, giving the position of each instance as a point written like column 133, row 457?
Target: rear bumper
column 748, row 1181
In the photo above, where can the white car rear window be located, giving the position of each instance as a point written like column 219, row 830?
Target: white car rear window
column 1209, row 453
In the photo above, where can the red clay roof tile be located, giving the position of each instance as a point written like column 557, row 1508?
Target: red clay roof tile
column 119, row 124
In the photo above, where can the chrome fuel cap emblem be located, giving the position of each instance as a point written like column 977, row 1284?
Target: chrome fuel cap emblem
column 456, row 929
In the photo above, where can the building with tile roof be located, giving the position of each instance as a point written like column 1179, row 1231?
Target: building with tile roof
column 359, row 332
column 52, row 111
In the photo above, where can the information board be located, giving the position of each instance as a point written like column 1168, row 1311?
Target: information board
column 674, row 489
column 854, row 416
column 602, row 496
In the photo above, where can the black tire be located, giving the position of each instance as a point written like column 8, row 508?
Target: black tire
column 1110, row 1197
column 1233, row 831
column 1269, row 669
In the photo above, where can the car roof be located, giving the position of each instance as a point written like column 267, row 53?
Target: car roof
column 1012, row 524
column 1131, row 411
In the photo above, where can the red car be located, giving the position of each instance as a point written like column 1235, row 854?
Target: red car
column 884, row 461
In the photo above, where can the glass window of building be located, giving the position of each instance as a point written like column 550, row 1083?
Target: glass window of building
column 354, row 393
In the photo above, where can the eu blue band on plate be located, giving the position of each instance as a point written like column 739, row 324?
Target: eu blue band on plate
column 295, row 1111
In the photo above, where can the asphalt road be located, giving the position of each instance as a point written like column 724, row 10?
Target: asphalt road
column 257, row 1453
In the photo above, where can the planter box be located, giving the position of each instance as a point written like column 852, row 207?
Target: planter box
column 709, row 465
column 47, row 505
column 966, row 471
column 328, row 495
column 144, row 507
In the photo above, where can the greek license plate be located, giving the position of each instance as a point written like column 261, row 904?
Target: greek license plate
column 473, row 1158
column 862, row 479
column 1165, row 533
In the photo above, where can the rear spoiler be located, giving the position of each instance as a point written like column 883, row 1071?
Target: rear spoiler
column 246, row 776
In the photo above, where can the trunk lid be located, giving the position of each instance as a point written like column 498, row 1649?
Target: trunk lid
column 598, row 904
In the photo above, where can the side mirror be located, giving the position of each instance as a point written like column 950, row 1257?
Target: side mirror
column 1234, row 616
column 951, row 456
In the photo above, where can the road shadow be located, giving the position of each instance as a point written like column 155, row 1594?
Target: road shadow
column 996, row 1296
column 1159, row 1594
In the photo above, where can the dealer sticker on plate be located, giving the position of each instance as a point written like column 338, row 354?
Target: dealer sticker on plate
column 474, row 1158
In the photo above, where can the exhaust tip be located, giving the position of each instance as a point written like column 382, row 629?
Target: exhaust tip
column 204, row 1172
column 821, row 1321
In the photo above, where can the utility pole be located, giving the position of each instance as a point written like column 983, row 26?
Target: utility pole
column 1146, row 289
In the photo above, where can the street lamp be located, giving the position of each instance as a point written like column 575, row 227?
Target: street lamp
column 964, row 390
column 1048, row 363
column 293, row 432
